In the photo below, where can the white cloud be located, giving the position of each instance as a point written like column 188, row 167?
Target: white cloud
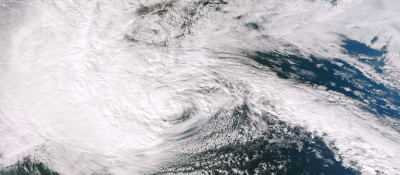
column 85, row 99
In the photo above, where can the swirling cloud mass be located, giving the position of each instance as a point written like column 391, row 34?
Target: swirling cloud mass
column 201, row 86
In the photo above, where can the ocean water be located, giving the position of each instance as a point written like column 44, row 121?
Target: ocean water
column 199, row 87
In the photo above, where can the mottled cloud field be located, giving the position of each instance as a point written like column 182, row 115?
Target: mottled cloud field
column 158, row 87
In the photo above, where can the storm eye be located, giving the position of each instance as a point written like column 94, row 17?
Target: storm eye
column 186, row 115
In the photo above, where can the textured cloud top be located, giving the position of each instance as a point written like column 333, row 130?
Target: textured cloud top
column 202, row 86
